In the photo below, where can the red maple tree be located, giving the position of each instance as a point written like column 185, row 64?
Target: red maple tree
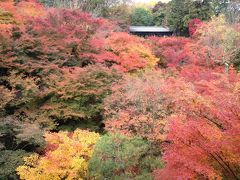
column 204, row 131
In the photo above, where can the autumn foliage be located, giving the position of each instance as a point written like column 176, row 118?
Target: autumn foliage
column 194, row 25
column 66, row 156
column 170, row 50
column 132, row 52
column 78, row 97
column 18, row 13
column 73, row 38
column 168, row 106
column 61, row 44
column 206, row 122
column 138, row 107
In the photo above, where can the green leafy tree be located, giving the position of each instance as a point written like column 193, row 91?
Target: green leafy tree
column 219, row 6
column 180, row 12
column 9, row 161
column 142, row 17
column 175, row 16
column 197, row 9
column 120, row 157
column 159, row 13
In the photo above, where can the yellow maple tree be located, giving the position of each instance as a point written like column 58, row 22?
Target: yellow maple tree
column 66, row 157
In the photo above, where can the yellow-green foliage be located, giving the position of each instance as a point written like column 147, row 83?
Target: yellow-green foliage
column 66, row 157
column 5, row 97
column 221, row 38
column 6, row 17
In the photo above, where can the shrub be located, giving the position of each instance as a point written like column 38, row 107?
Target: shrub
column 9, row 161
column 66, row 156
column 120, row 157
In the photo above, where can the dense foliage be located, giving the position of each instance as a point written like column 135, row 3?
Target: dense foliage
column 181, row 12
column 17, row 139
column 120, row 157
column 141, row 17
column 193, row 26
column 10, row 160
column 66, row 156
column 177, row 14
column 80, row 99
column 138, row 108
column 206, row 122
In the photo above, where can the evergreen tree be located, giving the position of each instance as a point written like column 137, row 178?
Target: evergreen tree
column 182, row 11
column 219, row 6
column 175, row 16
column 159, row 13
column 141, row 17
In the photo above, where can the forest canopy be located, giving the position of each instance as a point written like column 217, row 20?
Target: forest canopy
column 82, row 98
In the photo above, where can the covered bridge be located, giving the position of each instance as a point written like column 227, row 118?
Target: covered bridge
column 150, row 31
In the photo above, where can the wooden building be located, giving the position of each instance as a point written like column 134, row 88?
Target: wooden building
column 150, row 31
